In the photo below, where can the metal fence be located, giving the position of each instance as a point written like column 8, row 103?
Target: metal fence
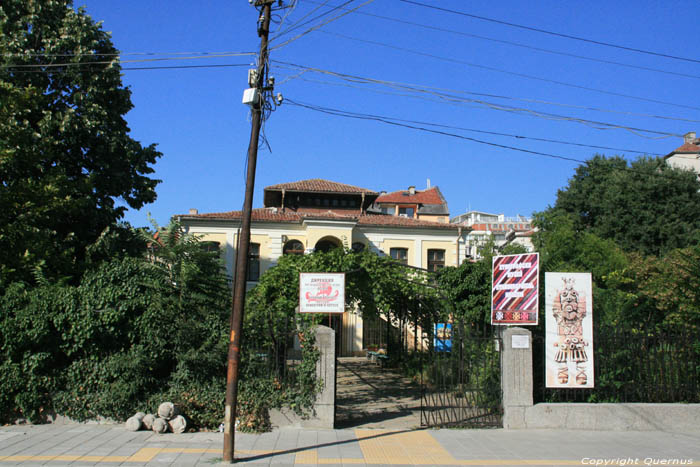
column 460, row 380
column 631, row 366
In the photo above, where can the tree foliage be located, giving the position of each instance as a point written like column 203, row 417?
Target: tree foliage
column 66, row 157
column 134, row 330
column 643, row 206
column 467, row 287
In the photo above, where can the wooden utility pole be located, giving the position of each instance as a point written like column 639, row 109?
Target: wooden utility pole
column 239, row 287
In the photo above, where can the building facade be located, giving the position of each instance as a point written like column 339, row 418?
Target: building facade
column 686, row 156
column 427, row 205
column 484, row 226
column 309, row 215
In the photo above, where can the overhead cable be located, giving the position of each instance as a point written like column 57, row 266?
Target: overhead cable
column 552, row 33
column 114, row 61
column 513, row 73
column 519, row 44
column 299, row 76
column 314, row 28
column 173, row 67
column 448, row 97
column 388, row 121
column 494, row 133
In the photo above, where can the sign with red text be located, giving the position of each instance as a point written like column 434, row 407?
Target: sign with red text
column 515, row 289
column 321, row 292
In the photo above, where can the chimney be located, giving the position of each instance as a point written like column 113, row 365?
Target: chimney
column 428, row 187
column 412, row 190
column 193, row 212
column 689, row 138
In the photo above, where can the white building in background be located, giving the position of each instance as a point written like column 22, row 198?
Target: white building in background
column 686, row 156
column 484, row 226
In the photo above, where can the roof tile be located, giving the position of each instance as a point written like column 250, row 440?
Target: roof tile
column 320, row 186
column 270, row 215
column 687, row 147
column 429, row 196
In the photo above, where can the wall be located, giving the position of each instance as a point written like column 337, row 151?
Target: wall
column 519, row 412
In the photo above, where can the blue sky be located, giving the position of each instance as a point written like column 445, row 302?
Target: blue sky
column 498, row 80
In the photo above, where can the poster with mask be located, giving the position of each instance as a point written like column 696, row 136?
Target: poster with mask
column 569, row 330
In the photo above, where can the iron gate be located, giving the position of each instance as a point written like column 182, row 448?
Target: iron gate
column 461, row 377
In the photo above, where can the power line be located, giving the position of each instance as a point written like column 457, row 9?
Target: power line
column 389, row 121
column 110, row 62
column 300, row 22
column 496, row 96
column 432, row 91
column 521, row 45
column 552, row 33
column 494, row 133
column 118, row 54
column 513, row 73
column 173, row 67
column 381, row 119
column 298, row 36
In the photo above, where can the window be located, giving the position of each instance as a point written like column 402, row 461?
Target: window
column 209, row 247
column 406, row 212
column 436, row 259
column 358, row 247
column 399, row 254
column 293, row 247
column 254, row 262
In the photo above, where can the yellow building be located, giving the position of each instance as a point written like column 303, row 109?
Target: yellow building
column 309, row 215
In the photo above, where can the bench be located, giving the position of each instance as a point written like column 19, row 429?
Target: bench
column 378, row 358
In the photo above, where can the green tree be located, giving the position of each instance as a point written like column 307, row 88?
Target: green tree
column 564, row 248
column 132, row 333
column 68, row 167
column 468, row 286
column 644, row 206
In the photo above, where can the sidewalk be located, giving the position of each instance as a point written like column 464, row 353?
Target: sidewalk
column 83, row 444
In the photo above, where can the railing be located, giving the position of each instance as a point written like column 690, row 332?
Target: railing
column 460, row 381
column 631, row 366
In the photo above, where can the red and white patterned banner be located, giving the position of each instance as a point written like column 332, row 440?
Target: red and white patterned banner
column 515, row 289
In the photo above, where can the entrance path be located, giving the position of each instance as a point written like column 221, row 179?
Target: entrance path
column 368, row 396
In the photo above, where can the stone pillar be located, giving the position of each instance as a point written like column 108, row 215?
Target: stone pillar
column 323, row 412
column 516, row 376
column 325, row 371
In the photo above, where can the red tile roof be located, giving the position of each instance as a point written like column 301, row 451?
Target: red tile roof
column 429, row 196
column 687, row 148
column 318, row 185
column 269, row 215
column 408, row 222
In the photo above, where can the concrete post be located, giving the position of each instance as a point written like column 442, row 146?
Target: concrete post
column 323, row 412
column 516, row 376
column 325, row 371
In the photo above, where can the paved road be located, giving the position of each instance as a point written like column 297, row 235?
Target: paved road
column 112, row 445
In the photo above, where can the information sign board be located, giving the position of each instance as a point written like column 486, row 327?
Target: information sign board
column 515, row 289
column 321, row 292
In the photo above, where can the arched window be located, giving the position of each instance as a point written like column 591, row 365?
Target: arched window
column 293, row 247
column 327, row 243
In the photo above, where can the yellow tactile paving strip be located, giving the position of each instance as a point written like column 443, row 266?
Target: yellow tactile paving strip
column 377, row 446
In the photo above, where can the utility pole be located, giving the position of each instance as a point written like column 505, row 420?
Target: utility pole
column 255, row 98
